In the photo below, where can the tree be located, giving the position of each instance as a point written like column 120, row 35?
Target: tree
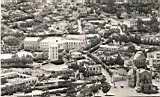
column 94, row 89
column 106, row 87
column 103, row 79
column 155, row 27
column 74, row 66
column 11, row 40
column 119, row 60
column 139, row 24
column 71, row 91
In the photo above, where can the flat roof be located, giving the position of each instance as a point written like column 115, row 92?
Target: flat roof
column 6, row 56
column 75, row 36
column 111, row 46
column 52, row 39
column 31, row 38
column 53, row 67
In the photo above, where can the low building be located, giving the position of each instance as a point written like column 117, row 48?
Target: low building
column 9, row 49
column 94, row 69
column 31, row 43
column 76, row 55
column 53, row 52
column 24, row 54
column 5, row 57
column 4, row 2
column 111, row 48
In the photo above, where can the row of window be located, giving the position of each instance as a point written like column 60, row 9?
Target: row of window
column 94, row 69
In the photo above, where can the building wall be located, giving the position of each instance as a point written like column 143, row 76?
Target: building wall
column 74, row 44
column 53, row 53
column 154, row 58
column 94, row 69
column 44, row 46
column 31, row 45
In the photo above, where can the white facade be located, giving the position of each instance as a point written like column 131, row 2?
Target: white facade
column 111, row 48
column 31, row 43
column 53, row 52
column 9, row 1
column 74, row 44
column 154, row 58
column 44, row 44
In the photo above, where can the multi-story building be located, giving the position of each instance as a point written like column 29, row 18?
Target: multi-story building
column 31, row 43
column 73, row 44
column 44, row 44
column 4, row 2
column 53, row 52
column 75, row 41
column 153, row 58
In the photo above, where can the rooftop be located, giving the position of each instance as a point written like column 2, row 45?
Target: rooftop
column 24, row 53
column 139, row 56
column 31, row 38
column 6, row 56
column 52, row 39
column 78, row 37
column 53, row 67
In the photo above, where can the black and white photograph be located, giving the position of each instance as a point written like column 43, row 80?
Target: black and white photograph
column 80, row 48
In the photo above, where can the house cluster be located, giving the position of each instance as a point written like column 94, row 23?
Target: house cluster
column 13, row 82
column 20, row 58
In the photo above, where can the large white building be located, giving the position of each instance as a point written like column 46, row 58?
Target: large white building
column 44, row 44
column 31, row 43
column 53, row 52
column 154, row 58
